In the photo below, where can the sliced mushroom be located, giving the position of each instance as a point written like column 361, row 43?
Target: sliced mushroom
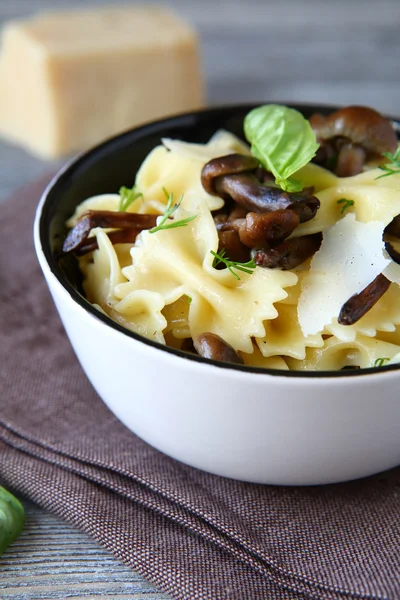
column 359, row 304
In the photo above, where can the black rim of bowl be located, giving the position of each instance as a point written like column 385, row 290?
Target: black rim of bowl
column 157, row 127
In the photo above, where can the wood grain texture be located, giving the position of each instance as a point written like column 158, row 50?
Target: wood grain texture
column 51, row 560
column 338, row 52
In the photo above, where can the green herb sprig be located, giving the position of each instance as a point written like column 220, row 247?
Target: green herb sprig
column 346, row 204
column 128, row 197
column 380, row 362
column 247, row 267
column 394, row 164
column 169, row 211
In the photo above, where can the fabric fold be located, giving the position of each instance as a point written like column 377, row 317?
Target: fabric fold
column 63, row 448
column 176, row 561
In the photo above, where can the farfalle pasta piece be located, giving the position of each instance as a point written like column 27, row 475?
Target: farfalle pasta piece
column 293, row 292
column 363, row 352
column 256, row 359
column 222, row 142
column 177, row 262
column 393, row 337
column 141, row 312
column 371, row 202
column 103, row 273
column 283, row 335
column 317, row 177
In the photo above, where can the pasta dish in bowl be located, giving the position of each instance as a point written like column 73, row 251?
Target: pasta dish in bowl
column 241, row 266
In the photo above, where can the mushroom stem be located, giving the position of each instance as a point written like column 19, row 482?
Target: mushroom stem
column 359, row 304
column 230, row 242
column 351, row 160
column 106, row 219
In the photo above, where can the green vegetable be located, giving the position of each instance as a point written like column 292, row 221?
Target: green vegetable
column 282, row 140
column 127, row 197
column 169, row 211
column 380, row 362
column 12, row 519
column 346, row 204
column 394, row 165
column 247, row 267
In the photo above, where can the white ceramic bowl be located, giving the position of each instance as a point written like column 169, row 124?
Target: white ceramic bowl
column 256, row 425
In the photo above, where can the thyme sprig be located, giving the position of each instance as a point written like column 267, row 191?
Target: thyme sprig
column 247, row 267
column 380, row 362
column 346, row 204
column 393, row 166
column 169, row 211
column 128, row 197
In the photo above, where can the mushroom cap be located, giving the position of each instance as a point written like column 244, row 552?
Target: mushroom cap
column 359, row 124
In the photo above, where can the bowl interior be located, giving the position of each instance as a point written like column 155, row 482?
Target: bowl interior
column 114, row 163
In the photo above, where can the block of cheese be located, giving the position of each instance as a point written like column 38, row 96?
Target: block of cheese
column 71, row 79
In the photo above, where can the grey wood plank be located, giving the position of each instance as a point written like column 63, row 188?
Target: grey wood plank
column 51, row 560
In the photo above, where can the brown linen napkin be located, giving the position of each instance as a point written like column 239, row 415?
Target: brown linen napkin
column 195, row 535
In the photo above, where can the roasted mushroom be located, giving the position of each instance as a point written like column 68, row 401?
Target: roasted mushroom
column 232, row 177
column 359, row 304
column 212, row 346
column 128, row 226
column 353, row 135
column 289, row 254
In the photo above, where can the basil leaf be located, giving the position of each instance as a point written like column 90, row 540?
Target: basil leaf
column 12, row 518
column 282, row 140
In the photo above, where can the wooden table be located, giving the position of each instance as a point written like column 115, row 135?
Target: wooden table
column 340, row 52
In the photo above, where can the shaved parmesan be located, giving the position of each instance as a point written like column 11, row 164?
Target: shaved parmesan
column 350, row 257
